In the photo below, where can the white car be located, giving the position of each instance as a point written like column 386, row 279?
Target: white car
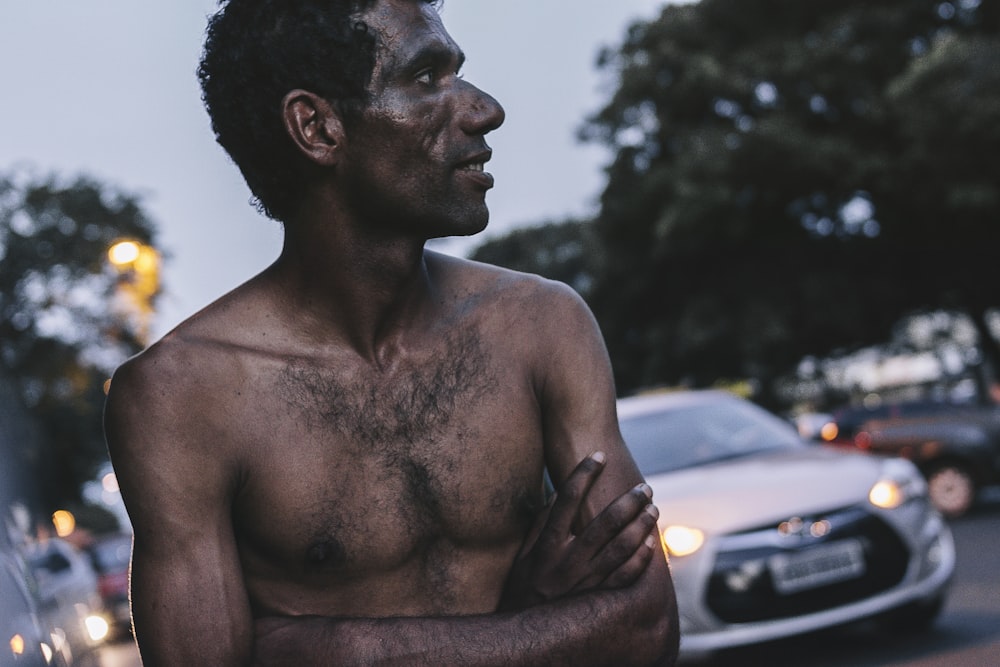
column 68, row 598
column 769, row 536
column 24, row 641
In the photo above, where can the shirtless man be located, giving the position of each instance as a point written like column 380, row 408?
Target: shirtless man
column 343, row 460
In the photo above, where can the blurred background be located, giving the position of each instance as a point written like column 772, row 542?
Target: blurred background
column 797, row 202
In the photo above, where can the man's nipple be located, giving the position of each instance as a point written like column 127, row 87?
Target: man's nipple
column 326, row 553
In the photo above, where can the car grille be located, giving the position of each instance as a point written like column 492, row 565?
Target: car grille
column 742, row 586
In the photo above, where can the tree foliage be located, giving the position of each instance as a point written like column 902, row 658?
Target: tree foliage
column 791, row 178
column 565, row 251
column 62, row 329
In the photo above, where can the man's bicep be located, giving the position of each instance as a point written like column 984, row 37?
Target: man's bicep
column 189, row 601
column 578, row 402
column 188, row 606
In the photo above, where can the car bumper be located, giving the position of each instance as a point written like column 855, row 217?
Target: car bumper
column 928, row 582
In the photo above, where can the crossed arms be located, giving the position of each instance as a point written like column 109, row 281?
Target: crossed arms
column 591, row 599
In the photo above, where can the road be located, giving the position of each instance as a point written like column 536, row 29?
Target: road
column 966, row 634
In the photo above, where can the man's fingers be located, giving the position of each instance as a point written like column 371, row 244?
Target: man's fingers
column 546, row 567
column 569, row 499
column 616, row 553
column 614, row 519
column 633, row 568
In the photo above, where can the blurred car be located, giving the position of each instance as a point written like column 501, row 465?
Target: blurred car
column 68, row 599
column 955, row 445
column 24, row 641
column 843, row 424
column 110, row 555
column 769, row 536
column 810, row 425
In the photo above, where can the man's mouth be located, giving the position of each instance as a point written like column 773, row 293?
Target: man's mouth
column 475, row 167
column 476, row 161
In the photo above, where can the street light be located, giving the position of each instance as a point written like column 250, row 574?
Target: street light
column 123, row 253
column 138, row 267
column 64, row 522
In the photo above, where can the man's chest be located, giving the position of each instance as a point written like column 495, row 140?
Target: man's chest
column 351, row 476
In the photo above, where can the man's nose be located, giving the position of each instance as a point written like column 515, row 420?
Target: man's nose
column 482, row 113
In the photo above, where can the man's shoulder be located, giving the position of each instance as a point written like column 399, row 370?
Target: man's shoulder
column 160, row 377
column 505, row 286
column 188, row 364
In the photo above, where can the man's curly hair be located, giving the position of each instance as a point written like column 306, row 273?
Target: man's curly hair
column 255, row 52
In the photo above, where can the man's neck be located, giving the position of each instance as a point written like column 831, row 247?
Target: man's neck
column 362, row 290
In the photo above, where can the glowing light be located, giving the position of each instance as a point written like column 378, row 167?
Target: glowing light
column 138, row 266
column 791, row 527
column 886, row 494
column 147, row 260
column 58, row 637
column 97, row 627
column 17, row 644
column 64, row 522
column 110, row 483
column 829, row 432
column 123, row 253
column 682, row 541
column 820, row 528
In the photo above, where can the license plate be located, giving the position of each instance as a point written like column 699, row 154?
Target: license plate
column 819, row 566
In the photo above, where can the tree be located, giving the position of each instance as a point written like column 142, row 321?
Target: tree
column 564, row 251
column 792, row 178
column 948, row 107
column 62, row 325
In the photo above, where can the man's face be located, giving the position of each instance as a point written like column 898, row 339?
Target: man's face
column 415, row 158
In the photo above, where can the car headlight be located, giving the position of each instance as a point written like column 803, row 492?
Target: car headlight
column 17, row 645
column 887, row 494
column 681, row 540
column 97, row 627
column 900, row 482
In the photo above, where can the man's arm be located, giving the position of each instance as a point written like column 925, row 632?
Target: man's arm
column 610, row 553
column 579, row 411
column 189, row 602
column 573, row 632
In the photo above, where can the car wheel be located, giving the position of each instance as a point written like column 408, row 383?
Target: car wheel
column 914, row 617
column 951, row 488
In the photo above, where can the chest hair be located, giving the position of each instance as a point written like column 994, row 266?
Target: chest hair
column 410, row 406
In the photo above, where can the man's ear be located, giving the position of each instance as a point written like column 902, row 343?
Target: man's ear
column 314, row 127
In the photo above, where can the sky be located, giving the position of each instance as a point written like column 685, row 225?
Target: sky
column 106, row 88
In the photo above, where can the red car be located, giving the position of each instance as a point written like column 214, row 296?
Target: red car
column 955, row 445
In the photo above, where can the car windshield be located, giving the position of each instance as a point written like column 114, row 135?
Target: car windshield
column 694, row 435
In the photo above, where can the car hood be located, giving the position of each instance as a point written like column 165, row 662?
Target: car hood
column 771, row 486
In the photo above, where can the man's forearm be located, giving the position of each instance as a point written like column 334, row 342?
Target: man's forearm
column 625, row 617
column 601, row 628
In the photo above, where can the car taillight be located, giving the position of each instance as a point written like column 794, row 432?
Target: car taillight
column 113, row 585
column 863, row 440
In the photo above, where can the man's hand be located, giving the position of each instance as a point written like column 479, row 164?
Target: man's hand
column 611, row 551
